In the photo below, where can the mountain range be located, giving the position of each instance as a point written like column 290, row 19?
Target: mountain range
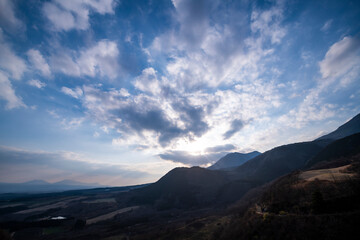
column 192, row 187
column 40, row 186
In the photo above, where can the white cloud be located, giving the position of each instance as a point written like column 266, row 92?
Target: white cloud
column 76, row 93
column 100, row 59
column 341, row 58
column 123, row 92
column 9, row 62
column 38, row 61
column 8, row 20
column 63, row 62
column 267, row 23
column 72, row 123
column 74, row 14
column 148, row 82
column 36, row 83
column 7, row 93
column 327, row 25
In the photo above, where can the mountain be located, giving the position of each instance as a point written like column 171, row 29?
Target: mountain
column 36, row 182
column 182, row 188
column 233, row 160
column 76, row 183
column 38, row 186
column 287, row 158
column 342, row 148
column 194, row 187
column 277, row 162
column 349, row 128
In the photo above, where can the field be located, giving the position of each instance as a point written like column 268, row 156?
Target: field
column 330, row 174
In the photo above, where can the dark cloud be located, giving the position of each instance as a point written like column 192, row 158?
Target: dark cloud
column 193, row 16
column 189, row 159
column 220, row 148
column 236, row 125
column 154, row 120
column 192, row 116
column 138, row 113
column 63, row 161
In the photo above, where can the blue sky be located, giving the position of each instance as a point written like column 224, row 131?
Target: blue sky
column 120, row 92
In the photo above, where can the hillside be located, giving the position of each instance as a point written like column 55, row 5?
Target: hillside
column 277, row 162
column 341, row 148
column 182, row 188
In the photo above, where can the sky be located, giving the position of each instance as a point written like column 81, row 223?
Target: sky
column 119, row 92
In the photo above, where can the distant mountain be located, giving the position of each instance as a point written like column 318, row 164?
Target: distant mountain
column 38, row 186
column 349, row 128
column 76, row 183
column 234, row 159
column 36, row 182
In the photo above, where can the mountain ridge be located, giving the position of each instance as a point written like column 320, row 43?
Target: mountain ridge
column 234, row 159
column 350, row 127
column 257, row 171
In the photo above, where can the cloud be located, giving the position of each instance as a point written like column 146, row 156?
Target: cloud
column 148, row 82
column 13, row 160
column 220, row 148
column 36, row 83
column 38, row 61
column 98, row 60
column 267, row 23
column 66, row 15
column 194, row 19
column 206, row 51
column 153, row 120
column 341, row 57
column 76, row 93
column 236, row 126
column 326, row 26
column 8, row 20
column 192, row 117
column 8, row 94
column 191, row 159
column 9, row 62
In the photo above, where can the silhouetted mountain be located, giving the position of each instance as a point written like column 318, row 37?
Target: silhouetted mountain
column 37, row 186
column 341, row 148
column 183, row 188
column 233, row 160
column 347, row 129
column 287, row 158
column 189, row 187
column 277, row 162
